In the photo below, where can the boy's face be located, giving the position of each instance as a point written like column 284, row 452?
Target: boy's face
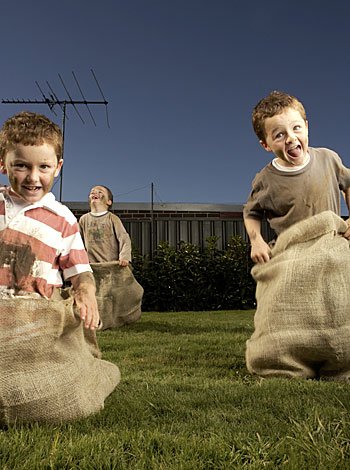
column 287, row 137
column 31, row 170
column 99, row 196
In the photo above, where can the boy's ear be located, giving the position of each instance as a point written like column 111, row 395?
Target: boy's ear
column 58, row 169
column 265, row 146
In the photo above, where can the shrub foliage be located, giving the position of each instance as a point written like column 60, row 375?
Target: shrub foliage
column 186, row 278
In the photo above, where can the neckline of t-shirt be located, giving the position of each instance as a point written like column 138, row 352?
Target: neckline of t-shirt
column 98, row 214
column 293, row 169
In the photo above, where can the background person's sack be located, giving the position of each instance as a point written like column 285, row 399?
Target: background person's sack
column 49, row 371
column 118, row 294
column 302, row 322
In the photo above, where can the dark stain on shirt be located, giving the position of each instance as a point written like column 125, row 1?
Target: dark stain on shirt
column 20, row 260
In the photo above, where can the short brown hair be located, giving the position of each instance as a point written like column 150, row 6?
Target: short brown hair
column 275, row 103
column 109, row 193
column 28, row 128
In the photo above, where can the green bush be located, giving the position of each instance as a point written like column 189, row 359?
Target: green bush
column 185, row 278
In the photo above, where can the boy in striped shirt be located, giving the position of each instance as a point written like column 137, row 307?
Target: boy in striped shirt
column 39, row 237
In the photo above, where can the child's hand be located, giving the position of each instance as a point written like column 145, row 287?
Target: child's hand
column 123, row 262
column 85, row 299
column 87, row 306
column 260, row 252
column 347, row 233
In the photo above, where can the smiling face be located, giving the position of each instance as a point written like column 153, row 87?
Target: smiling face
column 286, row 135
column 99, row 198
column 31, row 170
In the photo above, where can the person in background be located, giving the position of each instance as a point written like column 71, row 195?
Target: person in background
column 103, row 233
column 40, row 243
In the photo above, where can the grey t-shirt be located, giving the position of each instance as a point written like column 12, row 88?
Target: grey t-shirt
column 105, row 238
column 285, row 198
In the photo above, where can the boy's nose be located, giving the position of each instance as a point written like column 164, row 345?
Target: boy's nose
column 291, row 137
column 33, row 175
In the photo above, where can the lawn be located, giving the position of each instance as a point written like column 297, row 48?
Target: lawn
column 186, row 401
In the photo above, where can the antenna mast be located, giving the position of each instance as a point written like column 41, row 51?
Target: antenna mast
column 51, row 100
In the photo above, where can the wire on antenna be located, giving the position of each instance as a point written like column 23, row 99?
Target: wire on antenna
column 56, row 100
column 105, row 101
column 48, row 102
column 71, row 100
column 82, row 95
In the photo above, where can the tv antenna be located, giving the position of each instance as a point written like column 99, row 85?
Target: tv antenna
column 51, row 100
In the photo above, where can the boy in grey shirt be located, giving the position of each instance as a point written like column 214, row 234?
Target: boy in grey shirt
column 299, row 182
column 103, row 233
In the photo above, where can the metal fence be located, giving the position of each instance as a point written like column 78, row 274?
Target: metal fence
column 192, row 231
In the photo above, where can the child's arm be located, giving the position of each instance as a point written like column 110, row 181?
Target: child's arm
column 124, row 242
column 260, row 252
column 84, row 296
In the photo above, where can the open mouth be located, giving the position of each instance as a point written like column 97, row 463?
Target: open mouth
column 294, row 152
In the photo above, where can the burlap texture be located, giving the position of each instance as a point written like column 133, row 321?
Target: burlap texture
column 118, row 294
column 302, row 321
column 49, row 370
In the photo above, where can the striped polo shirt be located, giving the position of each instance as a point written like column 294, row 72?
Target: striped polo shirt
column 38, row 244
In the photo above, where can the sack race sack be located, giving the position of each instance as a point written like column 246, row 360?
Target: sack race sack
column 302, row 321
column 49, row 370
column 118, row 294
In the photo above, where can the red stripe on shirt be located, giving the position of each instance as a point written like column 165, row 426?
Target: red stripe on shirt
column 75, row 257
column 53, row 220
column 6, row 278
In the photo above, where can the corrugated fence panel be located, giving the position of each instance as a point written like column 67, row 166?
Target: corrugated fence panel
column 140, row 234
column 194, row 231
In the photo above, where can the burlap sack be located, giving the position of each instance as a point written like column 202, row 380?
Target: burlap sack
column 49, row 371
column 302, row 322
column 118, row 294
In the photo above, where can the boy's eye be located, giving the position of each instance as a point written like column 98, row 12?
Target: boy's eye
column 279, row 135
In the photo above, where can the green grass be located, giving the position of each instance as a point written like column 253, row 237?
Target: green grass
column 186, row 401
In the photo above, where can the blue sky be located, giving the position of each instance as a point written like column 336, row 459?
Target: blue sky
column 181, row 78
